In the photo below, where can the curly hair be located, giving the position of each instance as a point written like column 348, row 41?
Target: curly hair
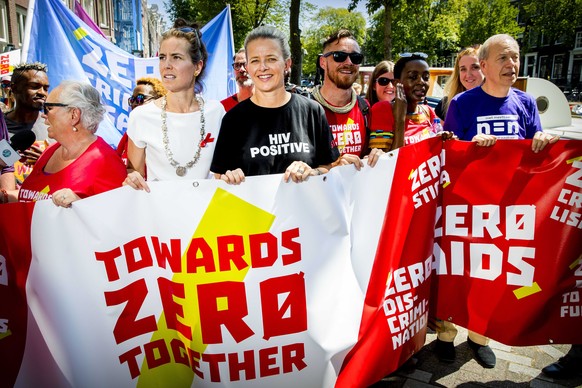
column 18, row 76
column 185, row 30
column 381, row 68
column 156, row 84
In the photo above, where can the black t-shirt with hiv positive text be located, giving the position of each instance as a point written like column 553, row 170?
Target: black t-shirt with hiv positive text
column 264, row 141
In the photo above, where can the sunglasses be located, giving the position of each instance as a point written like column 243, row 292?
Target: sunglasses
column 414, row 55
column 47, row 107
column 139, row 99
column 239, row 65
column 188, row 30
column 341, row 56
column 383, row 81
column 5, row 84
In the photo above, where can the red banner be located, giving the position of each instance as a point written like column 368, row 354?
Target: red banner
column 508, row 247
column 397, row 303
column 487, row 238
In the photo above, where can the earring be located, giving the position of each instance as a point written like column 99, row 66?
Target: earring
column 75, row 129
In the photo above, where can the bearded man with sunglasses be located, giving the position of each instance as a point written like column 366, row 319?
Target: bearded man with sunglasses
column 346, row 112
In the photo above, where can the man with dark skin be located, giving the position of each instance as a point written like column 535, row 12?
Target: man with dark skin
column 30, row 86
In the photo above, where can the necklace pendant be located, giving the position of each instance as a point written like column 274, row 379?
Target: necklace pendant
column 181, row 171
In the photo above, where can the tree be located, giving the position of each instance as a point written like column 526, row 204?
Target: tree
column 246, row 14
column 389, row 6
column 295, row 35
column 554, row 20
column 326, row 21
column 487, row 18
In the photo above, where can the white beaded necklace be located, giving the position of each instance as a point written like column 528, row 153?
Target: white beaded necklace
column 182, row 170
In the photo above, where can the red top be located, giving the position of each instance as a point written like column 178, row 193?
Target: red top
column 229, row 102
column 419, row 124
column 96, row 170
column 349, row 131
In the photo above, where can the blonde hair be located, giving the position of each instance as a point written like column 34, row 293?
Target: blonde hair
column 454, row 85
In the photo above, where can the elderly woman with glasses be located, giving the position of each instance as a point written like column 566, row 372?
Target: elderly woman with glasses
column 80, row 164
column 146, row 90
column 175, row 135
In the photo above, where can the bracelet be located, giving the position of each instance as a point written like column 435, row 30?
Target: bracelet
column 4, row 198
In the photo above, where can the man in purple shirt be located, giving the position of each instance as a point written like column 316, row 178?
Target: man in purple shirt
column 496, row 110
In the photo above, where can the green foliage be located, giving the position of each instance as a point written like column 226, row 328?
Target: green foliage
column 488, row 18
column 440, row 28
column 326, row 21
column 373, row 48
column 554, row 20
column 246, row 14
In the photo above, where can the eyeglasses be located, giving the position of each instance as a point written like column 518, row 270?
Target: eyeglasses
column 139, row 99
column 239, row 65
column 47, row 107
column 384, row 81
column 341, row 56
column 414, row 55
column 5, row 84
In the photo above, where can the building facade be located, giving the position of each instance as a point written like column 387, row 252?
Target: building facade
column 130, row 24
column 559, row 61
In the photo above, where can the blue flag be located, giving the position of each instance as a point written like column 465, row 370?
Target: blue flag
column 219, row 81
column 73, row 51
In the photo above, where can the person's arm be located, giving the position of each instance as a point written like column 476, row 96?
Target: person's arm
column 399, row 113
column 136, row 167
column 535, row 131
column 232, row 177
column 7, row 181
column 541, row 139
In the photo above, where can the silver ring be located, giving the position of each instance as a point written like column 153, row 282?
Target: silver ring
column 63, row 197
column 300, row 171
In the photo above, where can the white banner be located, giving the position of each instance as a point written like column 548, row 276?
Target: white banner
column 203, row 284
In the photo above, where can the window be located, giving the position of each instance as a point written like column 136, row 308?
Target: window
column 533, row 39
column 545, row 41
column 103, row 15
column 530, row 65
column 558, row 67
column 21, row 24
column 89, row 8
column 3, row 23
column 543, row 67
column 578, row 43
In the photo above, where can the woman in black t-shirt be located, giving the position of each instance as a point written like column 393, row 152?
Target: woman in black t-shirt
column 274, row 131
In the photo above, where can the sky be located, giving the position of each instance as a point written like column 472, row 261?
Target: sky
column 320, row 3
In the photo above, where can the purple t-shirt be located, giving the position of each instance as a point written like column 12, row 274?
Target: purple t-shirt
column 4, row 136
column 476, row 112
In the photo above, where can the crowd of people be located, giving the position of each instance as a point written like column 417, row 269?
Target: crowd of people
column 267, row 127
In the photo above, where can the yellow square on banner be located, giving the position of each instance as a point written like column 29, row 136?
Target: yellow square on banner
column 80, row 33
column 527, row 291
column 222, row 303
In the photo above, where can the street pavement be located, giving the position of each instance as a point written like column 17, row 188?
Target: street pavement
column 517, row 366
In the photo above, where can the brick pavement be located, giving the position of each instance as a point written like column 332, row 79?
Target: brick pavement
column 517, row 366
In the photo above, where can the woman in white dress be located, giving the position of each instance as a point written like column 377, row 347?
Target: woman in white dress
column 175, row 135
